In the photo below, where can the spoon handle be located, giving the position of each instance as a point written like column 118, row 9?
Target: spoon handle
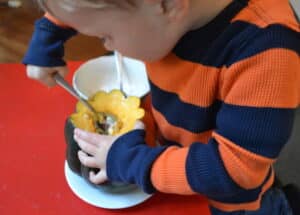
column 120, row 70
column 62, row 82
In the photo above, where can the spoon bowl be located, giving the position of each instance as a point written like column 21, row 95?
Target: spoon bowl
column 104, row 121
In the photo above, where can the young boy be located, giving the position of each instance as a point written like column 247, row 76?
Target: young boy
column 225, row 84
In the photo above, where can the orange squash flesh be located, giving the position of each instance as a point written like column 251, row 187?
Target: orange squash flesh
column 126, row 110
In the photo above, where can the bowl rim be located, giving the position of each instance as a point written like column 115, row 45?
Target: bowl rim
column 93, row 60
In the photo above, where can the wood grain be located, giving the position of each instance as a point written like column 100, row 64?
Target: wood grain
column 16, row 26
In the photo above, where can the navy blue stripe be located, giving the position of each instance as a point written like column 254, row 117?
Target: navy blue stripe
column 273, row 36
column 206, row 174
column 184, row 115
column 239, row 41
column 194, row 45
column 165, row 142
column 46, row 47
column 263, row 131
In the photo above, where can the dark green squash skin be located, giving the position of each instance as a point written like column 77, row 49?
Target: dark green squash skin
column 81, row 170
column 72, row 148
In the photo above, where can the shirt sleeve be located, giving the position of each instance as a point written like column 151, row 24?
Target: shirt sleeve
column 130, row 159
column 46, row 47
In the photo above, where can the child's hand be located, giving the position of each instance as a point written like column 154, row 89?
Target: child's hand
column 45, row 74
column 94, row 150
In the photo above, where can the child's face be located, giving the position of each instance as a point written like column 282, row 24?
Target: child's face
column 143, row 32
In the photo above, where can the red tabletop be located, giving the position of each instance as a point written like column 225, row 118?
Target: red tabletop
column 32, row 154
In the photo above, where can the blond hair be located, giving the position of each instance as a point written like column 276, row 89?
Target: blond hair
column 70, row 5
column 95, row 4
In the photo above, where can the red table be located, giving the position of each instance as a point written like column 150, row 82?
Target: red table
column 32, row 154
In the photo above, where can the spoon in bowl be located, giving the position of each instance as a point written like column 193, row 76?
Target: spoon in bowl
column 109, row 120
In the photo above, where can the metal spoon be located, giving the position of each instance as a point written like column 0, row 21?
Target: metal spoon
column 120, row 71
column 109, row 120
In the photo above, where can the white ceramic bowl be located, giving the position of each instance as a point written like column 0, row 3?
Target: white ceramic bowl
column 101, row 74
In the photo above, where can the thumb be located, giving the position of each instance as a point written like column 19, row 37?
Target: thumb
column 62, row 70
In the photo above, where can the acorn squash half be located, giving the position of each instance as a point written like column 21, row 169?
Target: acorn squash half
column 125, row 110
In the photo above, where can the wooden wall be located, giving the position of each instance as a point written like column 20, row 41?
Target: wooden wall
column 16, row 26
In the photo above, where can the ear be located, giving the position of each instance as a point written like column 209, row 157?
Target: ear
column 173, row 9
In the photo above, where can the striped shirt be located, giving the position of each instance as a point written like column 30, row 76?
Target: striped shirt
column 225, row 101
column 222, row 105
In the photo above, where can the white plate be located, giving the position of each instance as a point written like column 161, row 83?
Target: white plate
column 101, row 74
column 100, row 198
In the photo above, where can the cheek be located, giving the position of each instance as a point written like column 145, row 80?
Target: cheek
column 145, row 42
column 143, row 50
column 83, row 26
column 87, row 32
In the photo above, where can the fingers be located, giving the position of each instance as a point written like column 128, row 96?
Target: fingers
column 86, row 146
column 63, row 70
column 45, row 74
column 98, row 178
column 92, row 138
column 87, row 160
column 39, row 74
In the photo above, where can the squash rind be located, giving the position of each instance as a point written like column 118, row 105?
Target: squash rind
column 126, row 110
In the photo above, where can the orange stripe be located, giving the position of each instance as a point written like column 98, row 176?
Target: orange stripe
column 148, row 120
column 146, row 102
column 275, row 84
column 179, row 135
column 250, row 14
column 247, row 169
column 255, row 205
column 168, row 173
column 265, row 12
column 56, row 21
column 185, row 79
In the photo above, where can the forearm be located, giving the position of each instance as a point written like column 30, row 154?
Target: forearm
column 130, row 159
column 46, row 47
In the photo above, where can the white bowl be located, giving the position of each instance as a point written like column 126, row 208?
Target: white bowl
column 101, row 74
